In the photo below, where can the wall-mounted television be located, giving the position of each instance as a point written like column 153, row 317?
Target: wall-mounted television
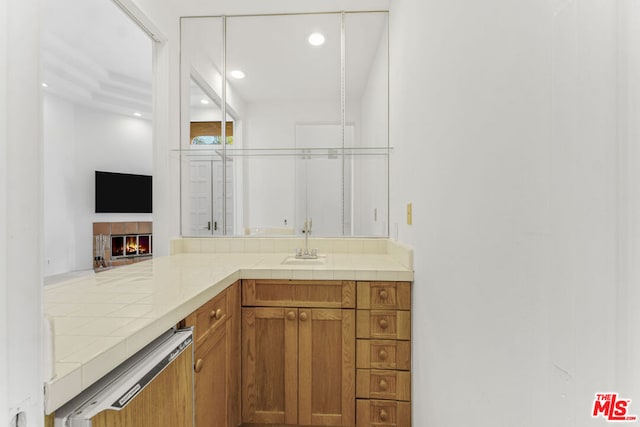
column 123, row 193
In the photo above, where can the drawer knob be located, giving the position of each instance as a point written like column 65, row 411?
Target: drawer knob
column 291, row 315
column 384, row 294
column 383, row 323
column 199, row 364
column 303, row 316
column 215, row 314
column 383, row 415
column 382, row 355
column 383, row 384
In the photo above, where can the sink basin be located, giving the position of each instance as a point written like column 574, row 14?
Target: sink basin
column 292, row 260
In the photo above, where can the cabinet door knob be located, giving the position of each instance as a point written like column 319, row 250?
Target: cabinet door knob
column 383, row 384
column 383, row 294
column 199, row 364
column 291, row 315
column 383, row 415
column 382, row 355
column 215, row 314
column 383, row 323
column 303, row 316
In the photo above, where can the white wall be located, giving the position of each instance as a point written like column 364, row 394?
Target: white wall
column 503, row 115
column 78, row 141
column 629, row 156
column 20, row 213
column 4, row 321
column 61, row 197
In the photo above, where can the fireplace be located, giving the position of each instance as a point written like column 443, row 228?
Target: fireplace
column 130, row 245
column 121, row 243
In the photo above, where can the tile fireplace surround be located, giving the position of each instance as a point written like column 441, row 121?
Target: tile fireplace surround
column 124, row 229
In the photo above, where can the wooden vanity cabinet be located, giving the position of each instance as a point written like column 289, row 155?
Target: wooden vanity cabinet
column 384, row 354
column 298, row 352
column 217, row 359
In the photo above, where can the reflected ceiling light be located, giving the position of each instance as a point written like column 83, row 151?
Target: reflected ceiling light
column 45, row 85
column 204, row 101
column 237, row 74
column 316, row 39
column 137, row 114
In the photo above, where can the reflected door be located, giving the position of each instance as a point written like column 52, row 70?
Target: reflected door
column 323, row 179
column 205, row 197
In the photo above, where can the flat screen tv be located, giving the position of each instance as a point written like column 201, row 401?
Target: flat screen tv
column 123, row 193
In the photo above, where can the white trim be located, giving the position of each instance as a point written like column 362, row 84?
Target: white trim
column 141, row 19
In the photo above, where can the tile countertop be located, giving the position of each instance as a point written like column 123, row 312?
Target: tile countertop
column 101, row 319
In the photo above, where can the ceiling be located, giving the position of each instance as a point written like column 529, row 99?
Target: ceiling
column 93, row 54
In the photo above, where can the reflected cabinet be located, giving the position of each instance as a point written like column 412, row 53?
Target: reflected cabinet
column 284, row 118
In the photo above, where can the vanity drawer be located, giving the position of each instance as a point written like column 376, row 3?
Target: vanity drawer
column 387, row 413
column 299, row 293
column 384, row 324
column 211, row 314
column 379, row 384
column 383, row 354
column 384, row 295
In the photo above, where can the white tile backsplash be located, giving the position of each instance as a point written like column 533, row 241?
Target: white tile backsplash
column 193, row 246
column 285, row 245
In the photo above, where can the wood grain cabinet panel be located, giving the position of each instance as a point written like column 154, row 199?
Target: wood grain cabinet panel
column 299, row 293
column 302, row 363
column 387, row 413
column 383, row 354
column 217, row 360
column 384, row 295
column 211, row 387
column 270, row 365
column 326, row 365
column 298, row 352
column 210, row 314
column 383, row 379
column 384, row 324
column 383, row 384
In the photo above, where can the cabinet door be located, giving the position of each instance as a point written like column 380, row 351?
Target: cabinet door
column 211, row 385
column 269, row 365
column 327, row 367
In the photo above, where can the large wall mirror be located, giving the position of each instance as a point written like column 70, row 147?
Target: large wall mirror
column 284, row 119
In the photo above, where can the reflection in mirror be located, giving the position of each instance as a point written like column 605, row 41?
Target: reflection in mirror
column 288, row 82
column 306, row 125
column 367, row 100
column 204, row 195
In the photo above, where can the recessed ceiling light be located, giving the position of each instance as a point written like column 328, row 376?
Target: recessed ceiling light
column 137, row 114
column 237, row 74
column 204, row 101
column 45, row 85
column 316, row 39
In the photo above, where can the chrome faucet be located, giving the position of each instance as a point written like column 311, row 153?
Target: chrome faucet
column 306, row 253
